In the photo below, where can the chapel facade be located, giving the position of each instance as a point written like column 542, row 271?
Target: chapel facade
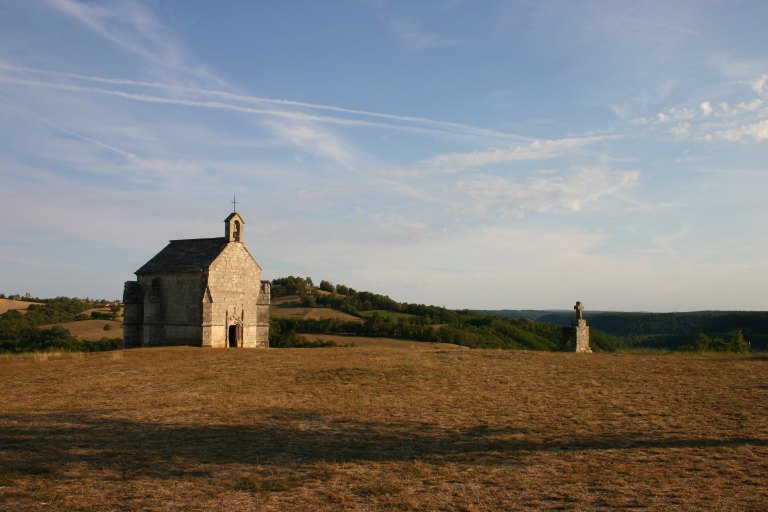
column 204, row 292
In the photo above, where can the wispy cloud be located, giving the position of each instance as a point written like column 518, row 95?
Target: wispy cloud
column 667, row 244
column 224, row 100
column 318, row 142
column 724, row 120
column 131, row 166
column 755, row 131
column 137, row 30
column 536, row 150
column 760, row 84
column 410, row 32
column 506, row 196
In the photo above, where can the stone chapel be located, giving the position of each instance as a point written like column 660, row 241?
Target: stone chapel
column 205, row 292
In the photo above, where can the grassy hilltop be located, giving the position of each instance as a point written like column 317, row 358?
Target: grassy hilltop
column 382, row 429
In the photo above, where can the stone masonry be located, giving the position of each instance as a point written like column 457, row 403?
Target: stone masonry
column 575, row 338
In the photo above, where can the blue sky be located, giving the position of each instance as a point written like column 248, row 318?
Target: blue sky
column 468, row 154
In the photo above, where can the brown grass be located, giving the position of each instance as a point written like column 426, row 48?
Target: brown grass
column 312, row 314
column 289, row 307
column 104, row 310
column 364, row 341
column 286, row 300
column 9, row 304
column 92, row 329
column 382, row 429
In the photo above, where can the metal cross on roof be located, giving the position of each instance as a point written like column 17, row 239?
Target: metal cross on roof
column 234, row 203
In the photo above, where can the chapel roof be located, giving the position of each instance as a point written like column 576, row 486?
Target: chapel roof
column 234, row 214
column 191, row 255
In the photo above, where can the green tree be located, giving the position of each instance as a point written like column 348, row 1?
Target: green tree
column 738, row 344
column 703, row 342
column 719, row 345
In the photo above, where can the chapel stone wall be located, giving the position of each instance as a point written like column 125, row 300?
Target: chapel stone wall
column 172, row 310
column 234, row 283
column 133, row 313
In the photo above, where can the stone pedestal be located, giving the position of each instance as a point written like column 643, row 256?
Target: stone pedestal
column 576, row 337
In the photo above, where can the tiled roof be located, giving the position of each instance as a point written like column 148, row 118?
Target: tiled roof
column 193, row 255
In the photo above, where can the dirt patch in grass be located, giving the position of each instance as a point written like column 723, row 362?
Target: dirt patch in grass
column 371, row 428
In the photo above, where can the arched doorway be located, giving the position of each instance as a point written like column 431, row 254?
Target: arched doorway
column 232, row 336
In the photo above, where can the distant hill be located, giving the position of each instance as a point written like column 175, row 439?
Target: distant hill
column 530, row 314
column 300, row 308
column 662, row 330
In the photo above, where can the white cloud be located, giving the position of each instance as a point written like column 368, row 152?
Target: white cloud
column 730, row 121
column 743, row 107
column 756, row 131
column 536, row 150
column 676, row 114
column 318, row 142
column 482, row 193
column 760, row 85
column 680, row 130
column 752, row 106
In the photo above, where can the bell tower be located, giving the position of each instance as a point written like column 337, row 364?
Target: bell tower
column 234, row 229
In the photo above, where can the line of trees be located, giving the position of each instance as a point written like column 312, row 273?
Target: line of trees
column 736, row 343
column 31, row 339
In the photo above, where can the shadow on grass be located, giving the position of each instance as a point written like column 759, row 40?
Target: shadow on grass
column 47, row 443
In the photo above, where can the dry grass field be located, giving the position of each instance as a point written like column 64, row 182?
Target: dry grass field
column 289, row 307
column 312, row 314
column 91, row 330
column 370, row 428
column 364, row 341
column 103, row 310
column 9, row 304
